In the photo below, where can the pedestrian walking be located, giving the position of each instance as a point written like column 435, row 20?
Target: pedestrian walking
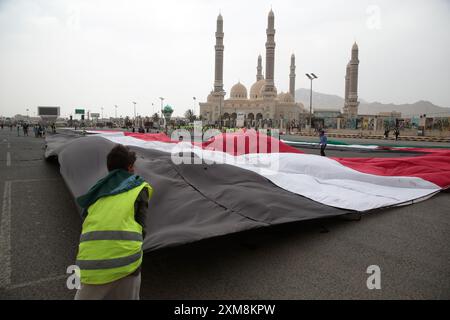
column 117, row 203
column 18, row 130
column 396, row 133
column 323, row 142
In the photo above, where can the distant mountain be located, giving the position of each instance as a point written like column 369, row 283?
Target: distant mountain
column 322, row 100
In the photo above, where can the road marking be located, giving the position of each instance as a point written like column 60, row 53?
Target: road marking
column 35, row 282
column 8, row 159
column 9, row 145
column 5, row 238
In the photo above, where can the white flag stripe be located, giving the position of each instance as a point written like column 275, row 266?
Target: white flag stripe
column 318, row 178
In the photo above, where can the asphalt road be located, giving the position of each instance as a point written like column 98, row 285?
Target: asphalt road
column 40, row 226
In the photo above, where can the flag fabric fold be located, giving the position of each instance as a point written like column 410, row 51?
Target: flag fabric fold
column 262, row 181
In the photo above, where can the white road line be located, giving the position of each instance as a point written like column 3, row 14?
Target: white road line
column 35, row 282
column 5, row 238
column 9, row 145
column 8, row 159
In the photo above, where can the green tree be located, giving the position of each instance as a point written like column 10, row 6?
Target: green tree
column 189, row 114
column 155, row 118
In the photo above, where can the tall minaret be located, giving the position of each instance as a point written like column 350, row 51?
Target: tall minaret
column 218, row 78
column 351, row 84
column 269, row 88
column 354, row 63
column 292, row 77
column 347, row 81
column 259, row 75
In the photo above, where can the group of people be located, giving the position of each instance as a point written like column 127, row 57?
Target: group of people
column 396, row 133
column 38, row 129
column 140, row 129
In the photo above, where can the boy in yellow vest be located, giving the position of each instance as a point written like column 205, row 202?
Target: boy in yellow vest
column 110, row 250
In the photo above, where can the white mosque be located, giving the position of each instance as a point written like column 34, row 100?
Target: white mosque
column 264, row 106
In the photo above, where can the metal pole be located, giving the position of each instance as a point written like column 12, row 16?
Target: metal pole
column 220, row 113
column 310, row 107
column 162, row 115
column 193, row 109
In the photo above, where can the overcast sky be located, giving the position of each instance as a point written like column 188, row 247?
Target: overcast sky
column 100, row 53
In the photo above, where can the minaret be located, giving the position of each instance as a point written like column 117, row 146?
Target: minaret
column 218, row 78
column 269, row 88
column 292, row 77
column 354, row 63
column 347, row 83
column 259, row 75
column 351, row 84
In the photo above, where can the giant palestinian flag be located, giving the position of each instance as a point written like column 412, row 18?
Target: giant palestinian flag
column 244, row 180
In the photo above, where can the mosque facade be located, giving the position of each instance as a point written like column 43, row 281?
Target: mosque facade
column 263, row 106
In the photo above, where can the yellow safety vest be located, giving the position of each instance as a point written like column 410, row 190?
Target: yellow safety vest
column 111, row 240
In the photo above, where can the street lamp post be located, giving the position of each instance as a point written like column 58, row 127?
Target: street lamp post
column 311, row 77
column 162, row 102
column 134, row 113
column 220, row 109
column 193, row 109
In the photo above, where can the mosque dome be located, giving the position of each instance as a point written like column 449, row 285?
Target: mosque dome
column 238, row 91
column 255, row 90
column 285, row 97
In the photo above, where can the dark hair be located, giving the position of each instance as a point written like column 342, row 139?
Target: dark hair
column 120, row 157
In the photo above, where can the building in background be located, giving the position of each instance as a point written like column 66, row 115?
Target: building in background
column 264, row 107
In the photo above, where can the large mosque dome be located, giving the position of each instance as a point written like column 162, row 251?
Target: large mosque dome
column 255, row 90
column 238, row 91
column 285, row 97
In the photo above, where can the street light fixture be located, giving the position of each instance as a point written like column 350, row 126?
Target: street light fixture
column 311, row 77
